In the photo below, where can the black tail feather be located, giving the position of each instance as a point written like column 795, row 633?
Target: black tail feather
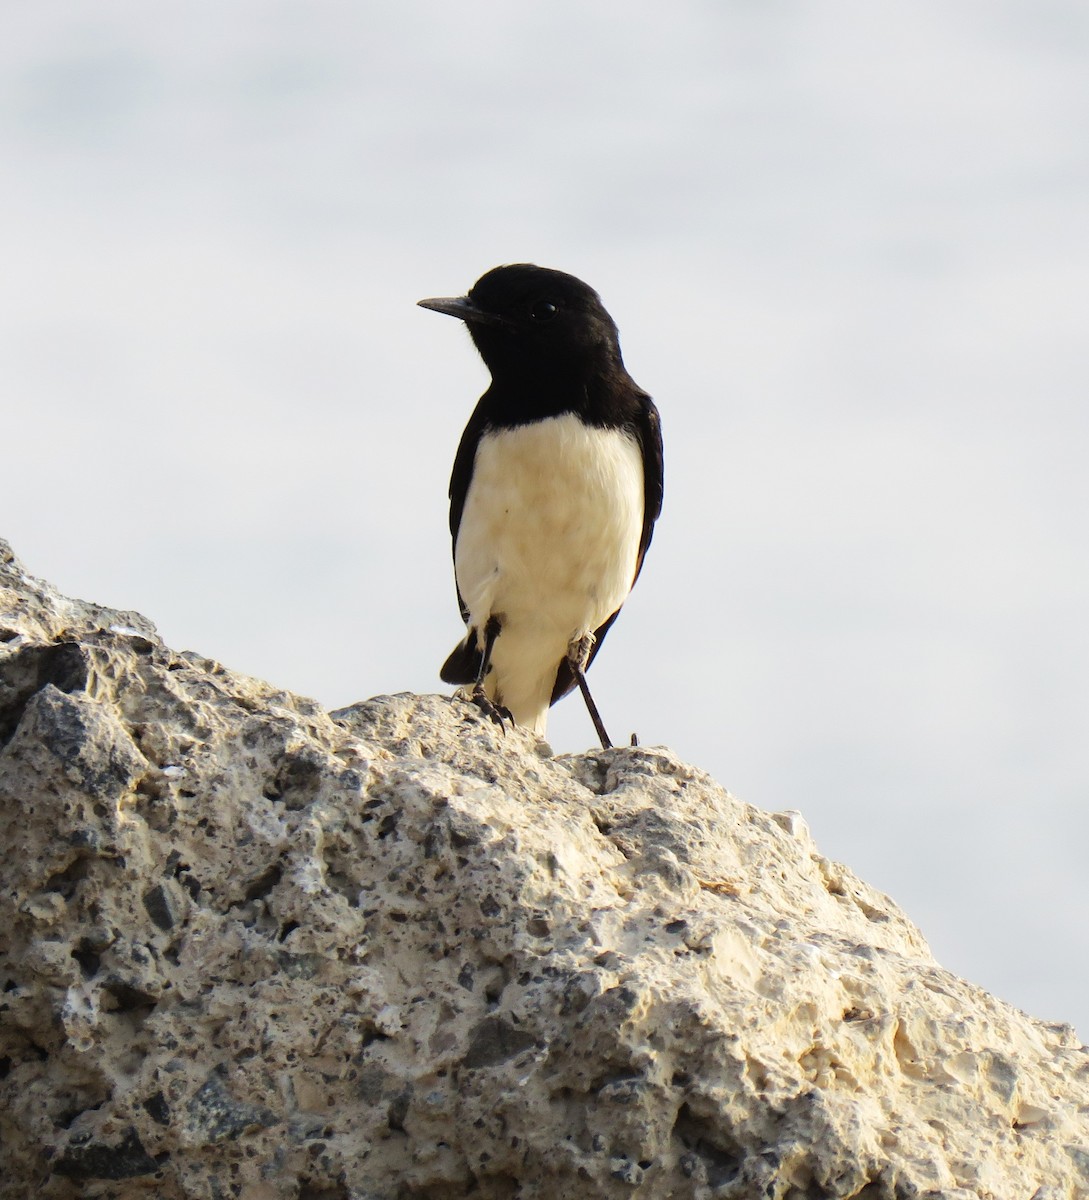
column 463, row 665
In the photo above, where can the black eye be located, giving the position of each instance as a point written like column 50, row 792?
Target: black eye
column 543, row 310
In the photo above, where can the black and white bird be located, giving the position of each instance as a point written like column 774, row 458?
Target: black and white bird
column 556, row 487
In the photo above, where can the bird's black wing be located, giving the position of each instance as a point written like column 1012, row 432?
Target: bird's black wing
column 463, row 664
column 462, row 476
column 647, row 429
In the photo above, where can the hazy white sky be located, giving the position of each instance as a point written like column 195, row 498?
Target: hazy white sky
column 848, row 251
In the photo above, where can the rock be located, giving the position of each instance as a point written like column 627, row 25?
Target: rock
column 252, row 949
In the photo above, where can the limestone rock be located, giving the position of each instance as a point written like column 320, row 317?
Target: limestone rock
column 252, row 949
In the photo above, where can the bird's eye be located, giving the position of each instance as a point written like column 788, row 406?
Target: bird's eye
column 543, row 310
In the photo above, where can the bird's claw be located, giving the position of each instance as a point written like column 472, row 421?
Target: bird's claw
column 495, row 713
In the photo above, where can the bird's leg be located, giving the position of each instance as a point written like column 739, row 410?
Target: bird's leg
column 595, row 716
column 479, row 696
column 577, row 654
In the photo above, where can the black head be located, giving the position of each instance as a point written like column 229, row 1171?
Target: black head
column 532, row 321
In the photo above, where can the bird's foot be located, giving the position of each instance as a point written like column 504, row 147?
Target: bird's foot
column 496, row 713
column 578, row 652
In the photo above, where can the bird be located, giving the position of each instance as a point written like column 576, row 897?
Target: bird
column 555, row 490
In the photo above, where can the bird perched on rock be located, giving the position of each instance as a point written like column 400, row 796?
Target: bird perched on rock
column 556, row 487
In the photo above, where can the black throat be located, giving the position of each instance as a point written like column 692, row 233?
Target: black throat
column 527, row 388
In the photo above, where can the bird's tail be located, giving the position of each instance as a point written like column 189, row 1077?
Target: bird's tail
column 463, row 665
column 528, row 706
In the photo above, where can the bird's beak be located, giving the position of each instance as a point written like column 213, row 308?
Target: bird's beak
column 463, row 308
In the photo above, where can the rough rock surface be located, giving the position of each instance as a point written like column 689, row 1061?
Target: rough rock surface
column 252, row 949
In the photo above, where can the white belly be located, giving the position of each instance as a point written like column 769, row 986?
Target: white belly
column 548, row 543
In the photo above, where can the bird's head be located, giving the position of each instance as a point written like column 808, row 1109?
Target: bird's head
column 529, row 320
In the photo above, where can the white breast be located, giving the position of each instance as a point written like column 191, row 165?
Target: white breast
column 548, row 542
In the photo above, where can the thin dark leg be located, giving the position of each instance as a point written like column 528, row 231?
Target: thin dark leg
column 491, row 632
column 480, row 697
column 591, row 707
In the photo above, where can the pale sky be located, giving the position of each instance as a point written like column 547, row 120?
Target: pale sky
column 847, row 248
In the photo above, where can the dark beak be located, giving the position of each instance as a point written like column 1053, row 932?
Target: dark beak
column 463, row 308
